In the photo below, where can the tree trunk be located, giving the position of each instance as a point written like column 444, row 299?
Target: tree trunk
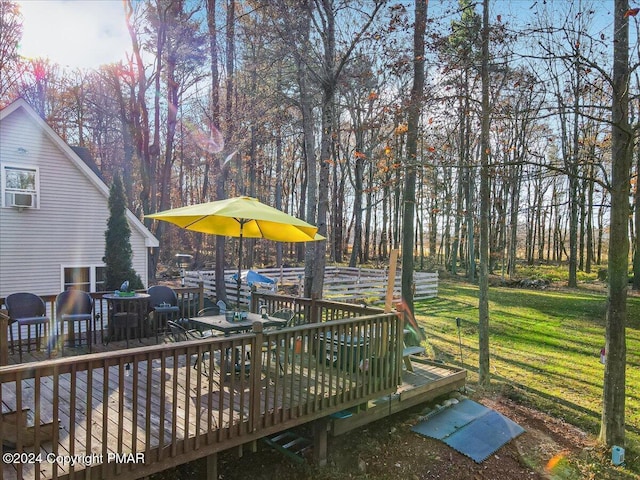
column 142, row 128
column 484, row 375
column 278, row 193
column 613, row 418
column 367, row 250
column 589, row 220
column 453, row 268
column 413, row 119
column 336, row 245
column 217, row 169
column 358, row 183
column 317, row 252
column 636, row 242
column 513, row 221
column 229, row 126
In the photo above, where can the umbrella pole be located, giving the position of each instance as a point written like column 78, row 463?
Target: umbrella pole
column 239, row 267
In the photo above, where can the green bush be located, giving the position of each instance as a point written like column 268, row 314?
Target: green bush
column 118, row 253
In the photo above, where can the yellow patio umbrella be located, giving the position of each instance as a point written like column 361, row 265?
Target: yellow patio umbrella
column 241, row 217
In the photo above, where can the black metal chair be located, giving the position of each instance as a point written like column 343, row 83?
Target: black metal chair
column 209, row 311
column 285, row 314
column 273, row 347
column 178, row 333
column 27, row 310
column 74, row 307
column 163, row 303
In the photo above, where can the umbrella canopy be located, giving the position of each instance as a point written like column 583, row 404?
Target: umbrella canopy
column 242, row 217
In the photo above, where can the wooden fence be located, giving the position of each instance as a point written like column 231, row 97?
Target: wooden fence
column 343, row 284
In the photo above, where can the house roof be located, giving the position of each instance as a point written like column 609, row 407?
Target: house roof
column 92, row 173
column 85, row 156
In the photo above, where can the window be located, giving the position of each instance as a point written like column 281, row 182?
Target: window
column 77, row 278
column 101, row 279
column 89, row 279
column 20, row 186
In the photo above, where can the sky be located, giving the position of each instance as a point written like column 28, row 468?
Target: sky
column 90, row 33
column 74, row 33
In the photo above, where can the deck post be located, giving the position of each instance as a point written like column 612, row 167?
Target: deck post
column 4, row 341
column 212, row 467
column 313, row 309
column 391, row 280
column 200, row 295
column 320, row 443
column 256, row 369
column 253, row 305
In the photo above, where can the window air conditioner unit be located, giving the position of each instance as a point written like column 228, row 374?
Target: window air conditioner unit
column 22, row 200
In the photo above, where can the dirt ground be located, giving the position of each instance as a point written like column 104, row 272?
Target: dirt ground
column 388, row 449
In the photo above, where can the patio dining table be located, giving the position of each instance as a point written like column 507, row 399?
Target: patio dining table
column 230, row 326
column 126, row 312
column 242, row 323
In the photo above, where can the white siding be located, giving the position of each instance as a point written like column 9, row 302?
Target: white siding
column 67, row 229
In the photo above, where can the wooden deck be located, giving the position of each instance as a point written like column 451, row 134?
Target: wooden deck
column 428, row 381
column 132, row 412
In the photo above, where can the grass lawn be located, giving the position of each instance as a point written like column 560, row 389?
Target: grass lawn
column 545, row 349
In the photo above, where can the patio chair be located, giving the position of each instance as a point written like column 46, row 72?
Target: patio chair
column 177, row 333
column 209, row 311
column 272, row 347
column 285, row 314
column 74, row 307
column 222, row 306
column 27, row 310
column 190, row 304
column 163, row 303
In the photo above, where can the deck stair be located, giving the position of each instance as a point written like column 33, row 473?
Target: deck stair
column 291, row 444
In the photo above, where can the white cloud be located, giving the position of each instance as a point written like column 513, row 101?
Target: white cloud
column 75, row 33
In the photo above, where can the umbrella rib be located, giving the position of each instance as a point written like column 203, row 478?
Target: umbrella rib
column 241, row 221
column 195, row 221
column 260, row 229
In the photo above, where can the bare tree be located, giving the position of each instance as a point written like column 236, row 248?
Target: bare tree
column 613, row 418
column 10, row 34
column 485, row 207
column 413, row 120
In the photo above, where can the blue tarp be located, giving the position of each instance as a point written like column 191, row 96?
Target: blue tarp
column 250, row 277
column 470, row 428
column 447, row 421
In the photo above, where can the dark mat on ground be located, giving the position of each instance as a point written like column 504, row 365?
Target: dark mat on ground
column 446, row 421
column 470, row 428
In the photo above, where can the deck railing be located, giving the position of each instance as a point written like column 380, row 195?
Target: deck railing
column 130, row 413
column 190, row 300
column 310, row 310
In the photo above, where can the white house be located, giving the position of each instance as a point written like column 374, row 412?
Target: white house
column 53, row 211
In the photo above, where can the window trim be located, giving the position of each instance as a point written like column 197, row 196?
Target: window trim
column 92, row 274
column 3, row 184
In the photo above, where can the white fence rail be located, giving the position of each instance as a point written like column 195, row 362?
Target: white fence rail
column 345, row 284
